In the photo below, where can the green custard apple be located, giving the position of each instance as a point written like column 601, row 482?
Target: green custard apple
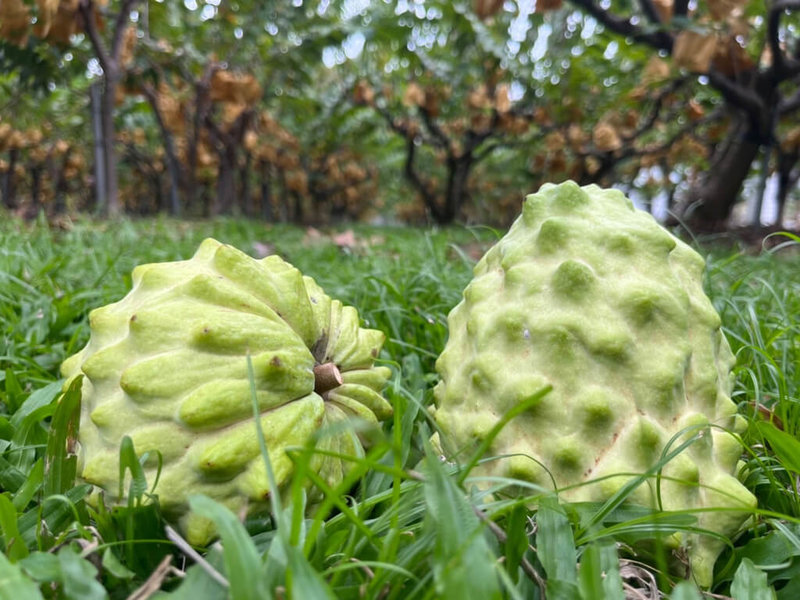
column 167, row 366
column 591, row 296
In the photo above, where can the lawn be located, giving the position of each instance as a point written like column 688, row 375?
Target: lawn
column 403, row 524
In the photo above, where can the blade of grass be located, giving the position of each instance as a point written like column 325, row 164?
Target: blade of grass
column 60, row 462
column 274, row 495
column 33, row 484
column 486, row 443
column 598, row 573
column 243, row 567
column 14, row 545
column 785, row 446
column 555, row 547
column 463, row 562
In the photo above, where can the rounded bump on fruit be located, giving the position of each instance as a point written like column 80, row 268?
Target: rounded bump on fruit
column 573, row 279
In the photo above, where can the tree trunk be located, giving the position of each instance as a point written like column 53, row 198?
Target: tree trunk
column 787, row 179
column 96, row 93
column 9, row 191
column 158, row 192
column 226, row 183
column 284, row 199
column 60, row 184
column 36, row 187
column 711, row 200
column 245, row 200
column 266, row 193
column 113, row 207
column 170, row 155
column 458, row 169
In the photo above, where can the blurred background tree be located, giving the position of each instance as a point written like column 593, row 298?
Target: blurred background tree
column 420, row 111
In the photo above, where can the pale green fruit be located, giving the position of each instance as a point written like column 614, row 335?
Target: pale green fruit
column 167, row 366
column 589, row 295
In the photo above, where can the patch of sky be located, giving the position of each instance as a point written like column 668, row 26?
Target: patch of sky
column 93, row 67
column 332, row 56
column 208, row 12
column 353, row 8
column 611, row 50
column 516, row 91
column 190, row 4
column 413, row 6
column 519, row 26
column 540, row 45
column 424, row 36
column 589, row 28
column 353, row 45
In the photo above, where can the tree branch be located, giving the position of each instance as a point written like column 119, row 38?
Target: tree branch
column 440, row 138
column 737, row 95
column 121, row 24
column 650, row 11
column 108, row 57
column 659, row 39
column 658, row 104
column 87, row 11
column 783, row 66
column 680, row 9
column 416, row 180
column 789, row 105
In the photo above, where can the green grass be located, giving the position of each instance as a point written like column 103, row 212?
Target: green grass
column 403, row 524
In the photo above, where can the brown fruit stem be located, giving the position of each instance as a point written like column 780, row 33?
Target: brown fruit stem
column 326, row 377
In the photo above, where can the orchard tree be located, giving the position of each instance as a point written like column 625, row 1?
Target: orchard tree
column 209, row 106
column 112, row 51
column 449, row 85
column 45, row 27
column 612, row 113
column 747, row 53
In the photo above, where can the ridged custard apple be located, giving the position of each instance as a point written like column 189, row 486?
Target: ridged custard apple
column 167, row 366
column 592, row 296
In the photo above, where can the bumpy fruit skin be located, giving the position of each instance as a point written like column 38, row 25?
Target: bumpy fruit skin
column 593, row 297
column 167, row 366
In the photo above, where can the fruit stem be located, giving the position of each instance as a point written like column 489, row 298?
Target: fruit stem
column 326, row 377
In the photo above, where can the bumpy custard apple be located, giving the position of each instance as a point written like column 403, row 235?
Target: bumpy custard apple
column 167, row 366
column 593, row 297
